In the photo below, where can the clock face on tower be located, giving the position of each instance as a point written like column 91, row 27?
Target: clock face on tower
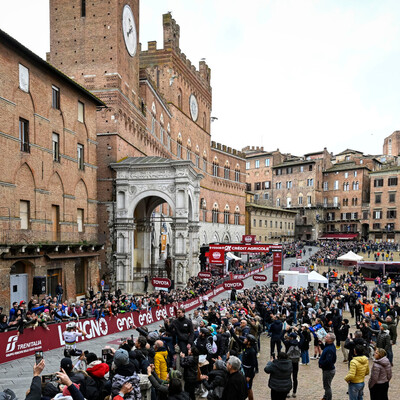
column 194, row 108
column 129, row 30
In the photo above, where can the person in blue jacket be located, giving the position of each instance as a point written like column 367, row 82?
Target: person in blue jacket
column 327, row 364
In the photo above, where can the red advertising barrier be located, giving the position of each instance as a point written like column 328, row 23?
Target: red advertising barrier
column 233, row 284
column 161, row 282
column 13, row 347
column 260, row 278
column 204, row 275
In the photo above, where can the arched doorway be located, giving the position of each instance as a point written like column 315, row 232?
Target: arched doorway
column 155, row 197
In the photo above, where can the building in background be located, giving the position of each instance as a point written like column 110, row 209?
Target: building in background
column 259, row 165
column 48, row 179
column 384, row 204
column 269, row 224
column 346, row 193
column 164, row 187
column 297, row 185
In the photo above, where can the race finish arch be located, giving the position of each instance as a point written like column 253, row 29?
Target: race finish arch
column 217, row 252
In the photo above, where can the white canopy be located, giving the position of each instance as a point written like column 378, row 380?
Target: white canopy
column 350, row 256
column 315, row 277
column 231, row 256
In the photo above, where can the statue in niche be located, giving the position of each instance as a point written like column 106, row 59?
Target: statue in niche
column 179, row 274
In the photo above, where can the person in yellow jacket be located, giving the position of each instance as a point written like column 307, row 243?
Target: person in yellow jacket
column 359, row 369
column 160, row 360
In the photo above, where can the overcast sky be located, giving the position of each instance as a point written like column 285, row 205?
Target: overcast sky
column 298, row 75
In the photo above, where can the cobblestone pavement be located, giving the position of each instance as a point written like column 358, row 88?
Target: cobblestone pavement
column 310, row 376
column 17, row 374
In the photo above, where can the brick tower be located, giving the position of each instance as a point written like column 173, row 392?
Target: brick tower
column 96, row 43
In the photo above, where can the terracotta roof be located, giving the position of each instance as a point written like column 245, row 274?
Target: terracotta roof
column 9, row 41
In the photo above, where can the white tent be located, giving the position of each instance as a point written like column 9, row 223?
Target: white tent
column 315, row 277
column 350, row 256
column 231, row 256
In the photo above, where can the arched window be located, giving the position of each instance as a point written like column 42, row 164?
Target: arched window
column 226, row 217
column 197, row 157
column 215, row 214
column 180, row 98
column 227, row 171
column 205, row 161
column 179, row 146
column 215, row 168
column 188, row 150
column 237, row 173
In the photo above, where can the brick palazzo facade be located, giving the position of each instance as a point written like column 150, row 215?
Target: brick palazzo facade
column 331, row 193
column 158, row 105
column 48, row 177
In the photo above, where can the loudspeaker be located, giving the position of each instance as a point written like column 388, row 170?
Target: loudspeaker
column 39, row 285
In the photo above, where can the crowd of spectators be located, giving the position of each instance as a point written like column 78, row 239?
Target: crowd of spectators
column 213, row 352
column 48, row 310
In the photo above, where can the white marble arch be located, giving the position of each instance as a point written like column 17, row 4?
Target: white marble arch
column 142, row 184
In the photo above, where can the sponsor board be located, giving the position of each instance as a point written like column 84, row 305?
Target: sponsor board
column 204, row 275
column 216, row 256
column 246, row 248
column 248, row 239
column 260, row 278
column 161, row 282
column 233, row 284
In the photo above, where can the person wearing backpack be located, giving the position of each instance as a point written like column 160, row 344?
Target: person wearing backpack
column 292, row 346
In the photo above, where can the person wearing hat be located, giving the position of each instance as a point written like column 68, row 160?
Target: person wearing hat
column 97, row 370
column 71, row 312
column 125, row 372
column 205, row 344
column 76, row 377
column 70, row 336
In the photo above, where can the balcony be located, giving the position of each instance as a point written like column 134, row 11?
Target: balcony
column 335, row 206
column 25, row 237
